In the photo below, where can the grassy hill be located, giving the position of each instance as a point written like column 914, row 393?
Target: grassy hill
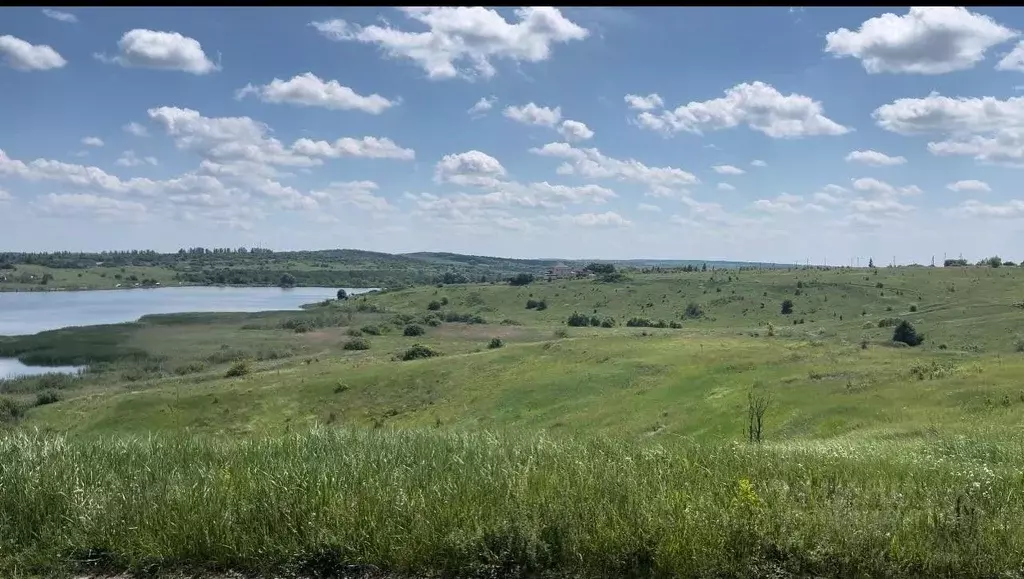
column 525, row 445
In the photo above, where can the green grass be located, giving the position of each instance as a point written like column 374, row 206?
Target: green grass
column 577, row 451
column 449, row 502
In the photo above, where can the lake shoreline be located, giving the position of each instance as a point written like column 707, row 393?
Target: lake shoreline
column 139, row 287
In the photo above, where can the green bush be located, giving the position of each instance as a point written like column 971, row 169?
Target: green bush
column 10, row 410
column 356, row 344
column 495, row 343
column 906, row 334
column 47, row 397
column 578, row 320
column 418, row 351
column 239, row 368
column 608, row 323
column 787, row 307
column 412, row 330
column 693, row 310
column 434, row 306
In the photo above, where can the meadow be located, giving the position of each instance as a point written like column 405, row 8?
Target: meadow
column 468, row 430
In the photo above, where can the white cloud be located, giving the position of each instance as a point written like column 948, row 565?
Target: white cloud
column 143, row 48
column 1012, row 209
column 757, row 105
column 60, row 16
column 936, row 114
column 89, row 205
column 591, row 163
column 92, row 141
column 482, row 106
column 884, row 205
column 24, row 56
column 130, row 159
column 725, row 187
column 644, row 103
column 532, row 114
column 727, row 170
column 225, row 139
column 575, row 131
column 309, row 90
column 926, row 40
column 831, row 194
column 474, row 35
column 356, row 193
column 758, row 163
column 366, row 147
column 969, row 185
column 786, row 203
column 5, row 196
column 1014, row 60
column 649, row 207
column 470, row 168
column 874, row 158
column 236, row 139
column 870, row 185
column 136, row 129
column 606, row 219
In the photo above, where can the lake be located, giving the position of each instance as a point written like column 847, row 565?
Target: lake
column 31, row 312
column 11, row 368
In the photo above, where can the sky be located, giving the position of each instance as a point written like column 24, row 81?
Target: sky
column 764, row 134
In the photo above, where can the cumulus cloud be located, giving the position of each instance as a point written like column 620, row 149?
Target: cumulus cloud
column 591, row 163
column 757, row 105
column 727, row 170
column 926, row 40
column 648, row 207
column 874, row 158
column 25, row 56
column 532, row 114
column 144, row 48
column 470, row 168
column 575, row 131
column 644, row 103
column 1012, row 209
column 458, row 35
column 94, row 206
column 869, row 185
column 92, row 142
column 136, row 129
column 232, row 139
column 758, row 163
column 606, row 219
column 309, row 90
column 130, row 159
column 971, row 185
column 482, row 106
column 726, row 187
column 360, row 194
column 786, row 203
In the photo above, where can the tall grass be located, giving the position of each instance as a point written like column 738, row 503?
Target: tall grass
column 454, row 503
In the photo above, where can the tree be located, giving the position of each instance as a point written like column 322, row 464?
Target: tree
column 787, row 307
column 906, row 333
column 600, row 268
column 757, row 405
column 521, row 279
column 994, row 261
column 871, row 262
column 287, row 280
column 342, row 294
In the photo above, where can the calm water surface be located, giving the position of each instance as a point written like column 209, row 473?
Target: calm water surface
column 31, row 312
column 11, row 368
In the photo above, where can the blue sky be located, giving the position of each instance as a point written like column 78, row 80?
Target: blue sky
column 738, row 133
